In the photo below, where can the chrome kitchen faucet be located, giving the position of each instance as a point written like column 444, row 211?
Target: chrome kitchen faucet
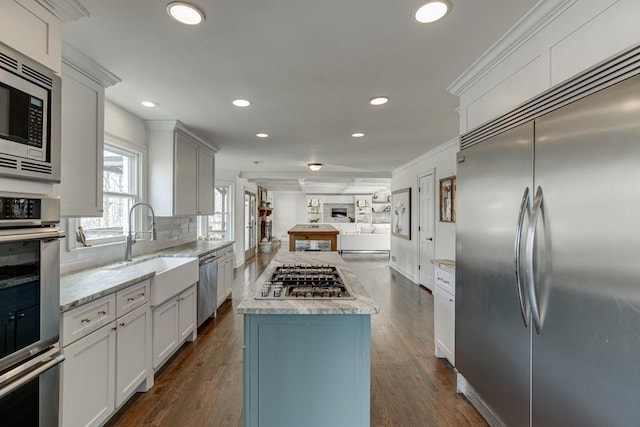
column 130, row 240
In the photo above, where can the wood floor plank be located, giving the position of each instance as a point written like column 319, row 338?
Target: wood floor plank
column 202, row 384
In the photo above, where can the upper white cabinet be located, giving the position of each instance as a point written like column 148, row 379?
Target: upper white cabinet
column 83, row 84
column 181, row 170
column 31, row 29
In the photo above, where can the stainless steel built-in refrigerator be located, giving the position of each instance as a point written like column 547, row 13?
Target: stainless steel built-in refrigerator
column 548, row 255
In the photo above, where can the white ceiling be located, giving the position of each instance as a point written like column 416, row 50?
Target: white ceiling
column 309, row 67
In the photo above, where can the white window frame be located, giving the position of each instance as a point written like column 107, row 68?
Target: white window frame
column 203, row 221
column 116, row 145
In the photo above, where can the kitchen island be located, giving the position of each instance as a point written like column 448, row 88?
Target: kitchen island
column 313, row 237
column 307, row 359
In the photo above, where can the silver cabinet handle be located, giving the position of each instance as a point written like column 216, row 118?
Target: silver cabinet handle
column 538, row 207
column 88, row 320
column 54, row 361
column 524, row 208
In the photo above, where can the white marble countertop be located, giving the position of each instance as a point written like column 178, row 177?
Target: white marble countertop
column 88, row 285
column 362, row 304
column 445, row 264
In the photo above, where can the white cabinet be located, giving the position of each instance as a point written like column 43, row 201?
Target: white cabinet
column 181, row 170
column 88, row 379
column 83, row 88
column 173, row 323
column 29, row 28
column 107, row 360
column 133, row 352
column 82, row 144
column 444, row 309
column 225, row 275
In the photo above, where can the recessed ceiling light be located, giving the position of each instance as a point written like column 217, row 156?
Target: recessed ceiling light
column 379, row 100
column 357, row 134
column 314, row 166
column 241, row 102
column 185, row 13
column 149, row 104
column 262, row 135
column 432, row 11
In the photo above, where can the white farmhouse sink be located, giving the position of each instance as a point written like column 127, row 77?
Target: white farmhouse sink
column 173, row 275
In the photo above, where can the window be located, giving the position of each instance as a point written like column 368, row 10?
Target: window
column 120, row 192
column 219, row 226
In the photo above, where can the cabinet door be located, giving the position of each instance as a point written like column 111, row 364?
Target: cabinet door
column 88, row 379
column 187, row 313
column 444, row 306
column 222, row 288
column 228, row 274
column 165, row 331
column 82, row 144
column 133, row 353
column 206, row 177
column 185, row 184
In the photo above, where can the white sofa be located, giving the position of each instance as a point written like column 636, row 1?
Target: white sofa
column 365, row 239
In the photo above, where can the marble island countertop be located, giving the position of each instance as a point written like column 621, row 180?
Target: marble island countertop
column 361, row 304
column 88, row 285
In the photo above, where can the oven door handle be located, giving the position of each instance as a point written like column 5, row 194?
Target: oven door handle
column 33, row 234
column 51, row 363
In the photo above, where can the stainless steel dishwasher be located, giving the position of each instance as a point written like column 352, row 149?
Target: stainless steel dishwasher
column 207, row 287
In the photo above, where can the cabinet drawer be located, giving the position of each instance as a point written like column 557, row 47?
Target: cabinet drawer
column 87, row 318
column 445, row 280
column 132, row 297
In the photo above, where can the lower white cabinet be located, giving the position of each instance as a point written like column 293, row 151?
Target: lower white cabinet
column 108, row 357
column 88, row 379
column 444, row 310
column 225, row 276
column 174, row 322
column 133, row 353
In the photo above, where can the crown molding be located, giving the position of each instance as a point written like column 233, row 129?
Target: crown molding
column 455, row 142
column 65, row 10
column 87, row 66
column 544, row 12
column 178, row 126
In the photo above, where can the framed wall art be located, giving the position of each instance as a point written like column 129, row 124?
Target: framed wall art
column 401, row 213
column 448, row 199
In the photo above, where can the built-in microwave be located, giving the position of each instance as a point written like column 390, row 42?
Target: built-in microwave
column 30, row 103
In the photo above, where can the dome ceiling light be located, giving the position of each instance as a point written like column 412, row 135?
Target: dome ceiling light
column 357, row 134
column 432, row 11
column 185, row 13
column 241, row 102
column 262, row 135
column 149, row 104
column 379, row 100
column 314, row 166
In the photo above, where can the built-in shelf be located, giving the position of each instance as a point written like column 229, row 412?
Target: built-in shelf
column 263, row 211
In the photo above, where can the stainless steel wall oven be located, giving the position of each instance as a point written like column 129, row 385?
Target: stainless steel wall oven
column 29, row 310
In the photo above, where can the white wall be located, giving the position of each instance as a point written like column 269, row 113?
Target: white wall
column 226, row 175
column 289, row 209
column 555, row 41
column 405, row 254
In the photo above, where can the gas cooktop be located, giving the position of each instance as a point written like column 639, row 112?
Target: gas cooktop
column 305, row 281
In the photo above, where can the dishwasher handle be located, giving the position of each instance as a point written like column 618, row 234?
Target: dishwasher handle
column 209, row 260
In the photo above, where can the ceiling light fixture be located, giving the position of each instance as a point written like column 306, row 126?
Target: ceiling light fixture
column 314, row 166
column 149, row 104
column 379, row 100
column 262, row 135
column 432, row 11
column 241, row 102
column 185, row 13
column 357, row 134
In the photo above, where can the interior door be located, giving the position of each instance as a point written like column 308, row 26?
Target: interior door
column 426, row 233
column 493, row 345
column 250, row 225
column 585, row 359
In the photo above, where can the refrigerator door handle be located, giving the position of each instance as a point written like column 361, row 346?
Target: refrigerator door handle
column 538, row 206
column 522, row 297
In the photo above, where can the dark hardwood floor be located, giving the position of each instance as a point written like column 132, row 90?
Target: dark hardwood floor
column 202, row 384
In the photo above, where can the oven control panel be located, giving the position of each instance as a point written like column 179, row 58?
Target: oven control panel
column 12, row 208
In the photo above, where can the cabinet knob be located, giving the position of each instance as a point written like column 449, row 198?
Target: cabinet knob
column 122, row 324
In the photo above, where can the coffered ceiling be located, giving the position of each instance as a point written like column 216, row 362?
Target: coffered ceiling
column 309, row 69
